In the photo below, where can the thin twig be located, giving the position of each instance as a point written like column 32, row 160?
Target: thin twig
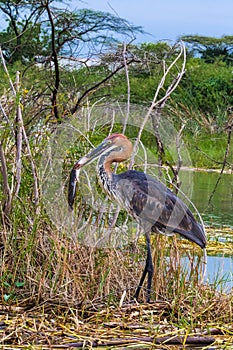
column 19, row 126
column 160, row 103
column 7, row 73
column 6, row 186
column 7, row 119
column 55, row 61
column 128, row 89
column 96, row 86
column 178, row 137
column 224, row 163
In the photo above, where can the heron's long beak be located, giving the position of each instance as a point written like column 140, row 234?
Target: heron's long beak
column 74, row 174
column 95, row 153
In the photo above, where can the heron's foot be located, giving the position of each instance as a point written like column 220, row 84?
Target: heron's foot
column 136, row 295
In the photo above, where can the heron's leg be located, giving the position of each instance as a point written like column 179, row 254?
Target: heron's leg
column 147, row 269
column 150, row 269
column 136, row 295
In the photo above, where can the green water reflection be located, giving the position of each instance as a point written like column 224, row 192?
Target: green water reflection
column 199, row 187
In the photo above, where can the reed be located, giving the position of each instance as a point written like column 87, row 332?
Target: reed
column 48, row 276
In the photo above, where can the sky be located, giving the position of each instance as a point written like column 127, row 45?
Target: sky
column 169, row 19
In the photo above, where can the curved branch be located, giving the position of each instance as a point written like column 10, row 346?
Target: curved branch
column 224, row 163
column 55, row 61
column 159, row 104
column 94, row 87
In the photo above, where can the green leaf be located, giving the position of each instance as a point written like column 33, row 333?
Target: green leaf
column 6, row 284
column 6, row 297
column 19, row 284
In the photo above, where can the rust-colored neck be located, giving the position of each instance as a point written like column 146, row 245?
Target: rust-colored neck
column 117, row 156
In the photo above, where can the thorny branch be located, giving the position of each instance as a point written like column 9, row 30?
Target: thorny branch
column 55, row 61
column 18, row 139
column 6, row 188
column 97, row 85
column 128, row 87
column 158, row 105
column 19, row 132
column 224, row 163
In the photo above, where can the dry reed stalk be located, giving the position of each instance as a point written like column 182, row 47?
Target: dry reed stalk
column 56, row 325
column 72, row 295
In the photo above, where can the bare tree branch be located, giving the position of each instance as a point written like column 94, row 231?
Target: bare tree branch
column 19, row 126
column 20, row 135
column 224, row 163
column 97, row 85
column 55, row 61
column 7, row 73
column 6, row 188
column 128, row 87
column 159, row 104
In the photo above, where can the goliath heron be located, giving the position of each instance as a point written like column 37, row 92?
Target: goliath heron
column 147, row 200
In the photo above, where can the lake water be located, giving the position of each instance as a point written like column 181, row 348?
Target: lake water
column 220, row 272
column 218, row 213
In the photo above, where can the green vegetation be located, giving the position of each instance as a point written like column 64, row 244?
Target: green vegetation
column 75, row 64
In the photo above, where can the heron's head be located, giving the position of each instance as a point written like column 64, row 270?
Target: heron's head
column 114, row 142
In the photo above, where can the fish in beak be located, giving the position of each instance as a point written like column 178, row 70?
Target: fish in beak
column 90, row 157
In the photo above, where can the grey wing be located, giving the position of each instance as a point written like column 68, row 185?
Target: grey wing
column 155, row 207
column 164, row 210
column 143, row 196
column 151, row 202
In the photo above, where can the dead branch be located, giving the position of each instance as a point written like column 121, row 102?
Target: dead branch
column 224, row 163
column 6, row 187
column 19, row 137
column 97, row 85
column 156, row 104
column 7, row 73
column 46, row 4
column 128, row 88
column 20, row 134
column 167, row 340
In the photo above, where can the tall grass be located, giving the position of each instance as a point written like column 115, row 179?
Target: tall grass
column 45, row 265
column 42, row 263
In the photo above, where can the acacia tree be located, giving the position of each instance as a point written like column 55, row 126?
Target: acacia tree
column 22, row 36
column 73, row 33
column 42, row 31
column 210, row 48
column 45, row 31
column 78, row 32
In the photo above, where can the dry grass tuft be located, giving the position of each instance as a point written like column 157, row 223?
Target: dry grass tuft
column 57, row 292
column 53, row 325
